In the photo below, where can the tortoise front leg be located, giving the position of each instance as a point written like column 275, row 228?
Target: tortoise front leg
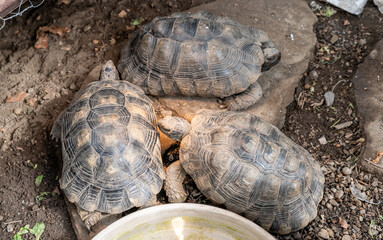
column 243, row 100
column 175, row 175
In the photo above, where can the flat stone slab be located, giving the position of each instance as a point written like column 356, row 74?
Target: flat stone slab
column 368, row 82
column 290, row 27
column 379, row 4
column 351, row 6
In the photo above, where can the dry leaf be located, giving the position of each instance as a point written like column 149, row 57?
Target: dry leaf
column 379, row 155
column 122, row 14
column 20, row 148
column 42, row 41
column 343, row 223
column 66, row 2
column 16, row 98
column 130, row 27
column 61, row 31
column 30, row 102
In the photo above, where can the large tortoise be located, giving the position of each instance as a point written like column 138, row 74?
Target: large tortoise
column 247, row 164
column 110, row 147
column 199, row 54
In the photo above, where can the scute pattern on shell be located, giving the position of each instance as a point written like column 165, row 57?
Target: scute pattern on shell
column 239, row 160
column 193, row 54
column 111, row 151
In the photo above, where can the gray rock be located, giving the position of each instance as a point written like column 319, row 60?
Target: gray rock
column 278, row 20
column 329, row 98
column 379, row 4
column 346, row 171
column 313, row 75
column 323, row 233
column 343, row 125
column 322, row 140
column 368, row 83
column 10, row 228
column 351, row 6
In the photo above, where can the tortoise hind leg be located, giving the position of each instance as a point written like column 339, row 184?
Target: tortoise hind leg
column 243, row 100
column 175, row 175
column 89, row 218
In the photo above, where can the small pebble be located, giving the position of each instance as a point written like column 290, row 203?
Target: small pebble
column 72, row 86
column 363, row 41
column 334, row 39
column 374, row 183
column 10, row 228
column 313, row 75
column 1, row 218
column 334, row 203
column 323, row 233
column 343, row 125
column 322, row 140
column 339, row 194
column 346, row 171
column 35, row 207
column 346, row 237
column 297, row 235
column 17, row 111
column 30, row 90
column 122, row 14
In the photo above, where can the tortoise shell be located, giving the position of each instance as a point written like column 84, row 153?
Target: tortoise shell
column 195, row 54
column 111, row 150
column 251, row 167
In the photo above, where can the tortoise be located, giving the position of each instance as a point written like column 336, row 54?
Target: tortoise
column 110, row 147
column 199, row 54
column 247, row 164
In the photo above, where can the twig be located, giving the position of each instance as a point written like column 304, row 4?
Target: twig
column 335, row 123
column 337, row 84
column 17, row 221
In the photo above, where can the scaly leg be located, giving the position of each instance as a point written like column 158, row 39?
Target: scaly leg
column 243, row 100
column 175, row 175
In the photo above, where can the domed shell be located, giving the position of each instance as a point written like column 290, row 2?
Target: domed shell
column 194, row 54
column 239, row 160
column 111, row 150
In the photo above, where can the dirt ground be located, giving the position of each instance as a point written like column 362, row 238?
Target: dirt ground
column 45, row 80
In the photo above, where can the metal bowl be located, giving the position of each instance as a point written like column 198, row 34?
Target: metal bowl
column 183, row 221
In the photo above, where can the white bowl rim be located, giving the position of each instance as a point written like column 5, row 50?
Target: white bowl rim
column 171, row 207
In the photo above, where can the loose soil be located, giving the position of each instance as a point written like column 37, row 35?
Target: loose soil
column 51, row 76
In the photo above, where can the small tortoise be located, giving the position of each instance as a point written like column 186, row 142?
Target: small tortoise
column 199, row 54
column 247, row 164
column 111, row 150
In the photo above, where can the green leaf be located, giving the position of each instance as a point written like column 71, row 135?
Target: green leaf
column 38, row 230
column 35, row 166
column 17, row 236
column 23, row 230
column 57, row 178
column 137, row 21
column 38, row 180
column 43, row 196
column 327, row 12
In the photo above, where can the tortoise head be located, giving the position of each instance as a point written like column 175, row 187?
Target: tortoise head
column 271, row 54
column 109, row 72
column 174, row 127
